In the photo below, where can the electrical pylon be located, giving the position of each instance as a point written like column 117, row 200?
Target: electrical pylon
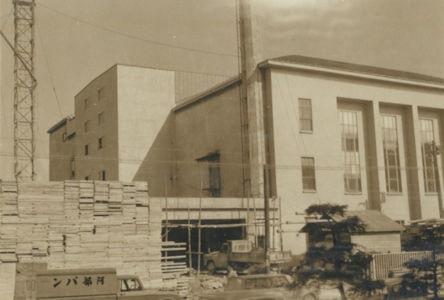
column 24, row 87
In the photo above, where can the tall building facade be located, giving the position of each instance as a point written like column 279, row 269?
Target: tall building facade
column 333, row 132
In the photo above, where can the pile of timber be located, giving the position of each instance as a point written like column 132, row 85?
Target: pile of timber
column 174, row 268
column 82, row 224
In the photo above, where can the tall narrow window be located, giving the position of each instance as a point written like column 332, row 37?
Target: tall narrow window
column 428, row 150
column 85, row 103
column 86, row 126
column 72, row 165
column 305, row 115
column 308, row 174
column 211, row 184
column 100, row 143
column 102, row 175
column 391, row 154
column 350, row 149
column 86, row 149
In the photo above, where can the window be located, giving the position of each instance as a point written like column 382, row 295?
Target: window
column 72, row 166
column 211, row 184
column 100, row 118
column 102, row 175
column 308, row 174
column 86, row 177
column 86, row 126
column 130, row 284
column 428, row 151
column 100, row 143
column 305, row 115
column 100, row 94
column 350, row 149
column 86, row 149
column 391, row 154
column 86, row 103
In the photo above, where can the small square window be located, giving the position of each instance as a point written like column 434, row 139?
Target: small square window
column 100, row 94
column 86, row 149
column 86, row 177
column 100, row 143
column 100, row 118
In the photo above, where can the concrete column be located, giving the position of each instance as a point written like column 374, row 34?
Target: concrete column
column 375, row 158
column 414, row 162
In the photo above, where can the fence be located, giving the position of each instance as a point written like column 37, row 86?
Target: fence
column 384, row 263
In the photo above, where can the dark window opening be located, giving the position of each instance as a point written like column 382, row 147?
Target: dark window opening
column 211, row 179
column 308, row 174
column 102, row 175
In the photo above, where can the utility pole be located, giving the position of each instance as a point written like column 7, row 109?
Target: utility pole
column 24, row 87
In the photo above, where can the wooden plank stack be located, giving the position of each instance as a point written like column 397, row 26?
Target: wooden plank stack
column 76, row 224
column 174, row 267
column 8, row 219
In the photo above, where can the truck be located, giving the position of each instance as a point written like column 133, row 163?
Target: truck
column 241, row 256
column 83, row 284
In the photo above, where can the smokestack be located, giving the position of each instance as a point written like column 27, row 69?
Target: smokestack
column 253, row 112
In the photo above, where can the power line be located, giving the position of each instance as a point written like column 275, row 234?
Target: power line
column 131, row 36
column 49, row 75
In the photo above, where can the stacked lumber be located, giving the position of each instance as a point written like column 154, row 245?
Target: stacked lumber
column 174, row 268
column 8, row 219
column 82, row 224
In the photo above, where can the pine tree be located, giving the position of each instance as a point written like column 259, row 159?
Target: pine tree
column 338, row 259
column 423, row 276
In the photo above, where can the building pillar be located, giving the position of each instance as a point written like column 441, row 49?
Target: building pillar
column 375, row 158
column 413, row 162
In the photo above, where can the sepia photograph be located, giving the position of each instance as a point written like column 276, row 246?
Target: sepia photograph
column 221, row 149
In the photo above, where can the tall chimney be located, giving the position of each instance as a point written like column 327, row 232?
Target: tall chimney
column 252, row 98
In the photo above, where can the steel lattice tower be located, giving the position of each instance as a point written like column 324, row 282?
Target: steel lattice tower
column 25, row 83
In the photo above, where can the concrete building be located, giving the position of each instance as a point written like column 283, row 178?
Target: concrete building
column 333, row 132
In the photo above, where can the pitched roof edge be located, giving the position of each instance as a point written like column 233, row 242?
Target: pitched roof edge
column 354, row 70
column 189, row 101
column 60, row 123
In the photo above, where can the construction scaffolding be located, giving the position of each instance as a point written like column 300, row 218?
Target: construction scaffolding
column 248, row 217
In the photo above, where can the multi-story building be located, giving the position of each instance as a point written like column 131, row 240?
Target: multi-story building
column 333, row 132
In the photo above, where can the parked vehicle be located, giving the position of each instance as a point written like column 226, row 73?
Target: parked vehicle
column 241, row 255
column 83, row 284
column 271, row 286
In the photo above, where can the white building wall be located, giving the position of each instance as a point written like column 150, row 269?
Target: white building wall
column 145, row 98
column 324, row 144
column 379, row 242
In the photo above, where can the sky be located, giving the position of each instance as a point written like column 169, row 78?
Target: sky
column 76, row 40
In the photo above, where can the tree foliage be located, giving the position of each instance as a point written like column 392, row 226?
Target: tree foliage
column 422, row 278
column 331, row 255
